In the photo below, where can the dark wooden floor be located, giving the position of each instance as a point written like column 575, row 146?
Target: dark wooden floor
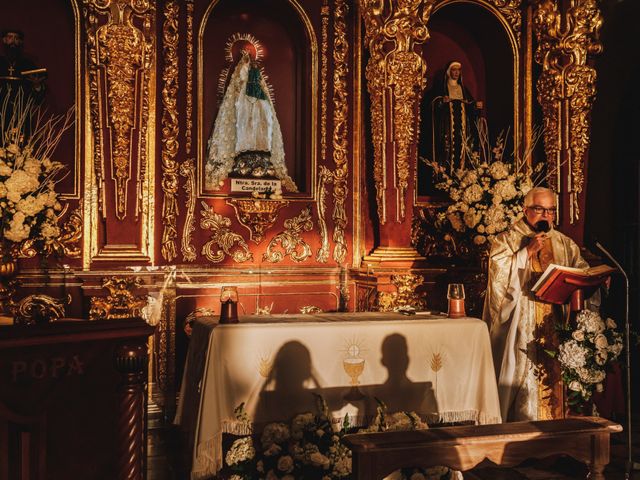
column 166, row 460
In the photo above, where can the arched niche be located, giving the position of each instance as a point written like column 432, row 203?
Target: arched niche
column 475, row 34
column 52, row 40
column 289, row 60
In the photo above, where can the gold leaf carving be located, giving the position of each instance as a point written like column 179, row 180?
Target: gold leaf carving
column 121, row 301
column 310, row 310
column 323, row 80
column 325, row 177
column 170, row 130
column 395, row 79
column 66, row 244
column 291, row 239
column 257, row 215
column 189, row 119
column 405, row 294
column 123, row 52
column 39, row 309
column 222, row 238
column 340, row 114
column 511, row 11
column 187, row 170
column 567, row 86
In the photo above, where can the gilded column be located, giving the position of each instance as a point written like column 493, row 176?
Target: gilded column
column 395, row 77
column 566, row 89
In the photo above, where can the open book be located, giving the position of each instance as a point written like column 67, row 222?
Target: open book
column 35, row 71
column 557, row 283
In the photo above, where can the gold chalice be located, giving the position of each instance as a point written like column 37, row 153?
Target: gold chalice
column 354, row 368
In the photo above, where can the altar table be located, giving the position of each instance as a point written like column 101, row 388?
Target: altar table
column 441, row 368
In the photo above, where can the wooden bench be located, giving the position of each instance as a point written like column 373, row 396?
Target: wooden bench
column 586, row 439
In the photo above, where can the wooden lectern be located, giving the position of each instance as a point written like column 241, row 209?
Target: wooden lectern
column 562, row 285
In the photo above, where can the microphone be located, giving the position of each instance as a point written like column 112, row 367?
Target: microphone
column 631, row 465
column 542, row 226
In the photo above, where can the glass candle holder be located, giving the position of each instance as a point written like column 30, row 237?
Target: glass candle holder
column 229, row 304
column 455, row 295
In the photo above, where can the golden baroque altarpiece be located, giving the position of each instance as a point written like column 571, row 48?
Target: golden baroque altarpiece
column 141, row 80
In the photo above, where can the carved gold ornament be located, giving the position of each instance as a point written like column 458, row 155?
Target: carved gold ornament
column 170, row 130
column 36, row 309
column 257, row 215
column 395, row 79
column 121, row 301
column 187, row 170
column 567, row 87
column 340, row 115
column 405, row 294
column 325, row 177
column 222, row 238
column 66, row 244
column 310, row 310
column 511, row 10
column 291, row 240
column 324, row 11
column 189, row 120
column 123, row 52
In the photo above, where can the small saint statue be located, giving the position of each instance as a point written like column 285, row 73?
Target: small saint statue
column 246, row 141
column 17, row 72
column 455, row 113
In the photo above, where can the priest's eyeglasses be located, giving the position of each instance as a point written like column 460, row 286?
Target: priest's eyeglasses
column 540, row 210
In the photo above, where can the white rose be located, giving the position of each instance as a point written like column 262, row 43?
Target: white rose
column 574, row 385
column 285, row 464
column 578, row 335
column 601, row 357
column 600, row 341
column 319, row 460
column 479, row 239
column 609, row 323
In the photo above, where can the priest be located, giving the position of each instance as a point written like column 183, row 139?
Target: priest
column 529, row 388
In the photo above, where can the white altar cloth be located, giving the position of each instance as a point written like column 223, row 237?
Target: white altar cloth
column 440, row 368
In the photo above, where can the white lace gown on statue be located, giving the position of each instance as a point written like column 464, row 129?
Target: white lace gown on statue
column 244, row 124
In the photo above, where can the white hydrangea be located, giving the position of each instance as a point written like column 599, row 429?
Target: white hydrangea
column 498, row 170
column 19, row 183
column 241, row 450
column 590, row 322
column 472, row 193
column 18, row 229
column 572, row 355
column 274, row 433
column 505, row 189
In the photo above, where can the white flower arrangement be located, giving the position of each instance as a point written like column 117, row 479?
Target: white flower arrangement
column 29, row 204
column 310, row 447
column 487, row 196
column 584, row 353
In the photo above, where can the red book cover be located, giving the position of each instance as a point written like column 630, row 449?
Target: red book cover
column 557, row 283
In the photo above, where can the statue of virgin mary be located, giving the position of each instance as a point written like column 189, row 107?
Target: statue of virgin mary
column 246, row 141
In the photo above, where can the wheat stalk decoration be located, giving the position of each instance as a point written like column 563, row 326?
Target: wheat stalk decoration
column 436, row 364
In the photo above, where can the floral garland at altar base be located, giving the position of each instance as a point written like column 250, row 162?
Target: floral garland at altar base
column 584, row 353
column 310, row 448
column 486, row 197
